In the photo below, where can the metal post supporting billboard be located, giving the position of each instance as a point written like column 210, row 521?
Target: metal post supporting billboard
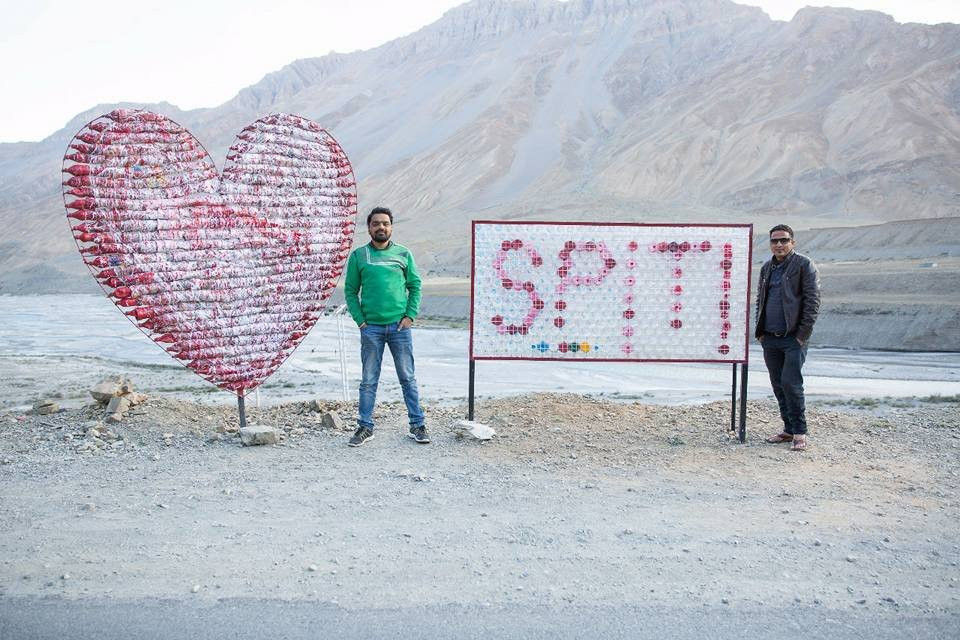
column 733, row 400
column 473, row 371
column 743, row 402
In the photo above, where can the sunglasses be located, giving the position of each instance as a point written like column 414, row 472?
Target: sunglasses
column 781, row 240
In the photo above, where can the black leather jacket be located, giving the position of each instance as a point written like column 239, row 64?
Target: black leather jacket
column 801, row 295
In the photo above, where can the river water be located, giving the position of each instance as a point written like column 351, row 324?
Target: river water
column 64, row 344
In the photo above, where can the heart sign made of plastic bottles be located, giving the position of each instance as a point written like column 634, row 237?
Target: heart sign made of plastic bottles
column 226, row 272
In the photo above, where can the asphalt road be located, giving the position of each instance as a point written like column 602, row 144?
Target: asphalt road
column 42, row 618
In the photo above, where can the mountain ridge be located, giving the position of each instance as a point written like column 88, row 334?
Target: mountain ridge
column 606, row 109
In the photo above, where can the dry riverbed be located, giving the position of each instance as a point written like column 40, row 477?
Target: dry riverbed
column 575, row 501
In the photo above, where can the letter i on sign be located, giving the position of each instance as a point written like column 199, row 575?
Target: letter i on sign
column 725, row 266
column 629, row 299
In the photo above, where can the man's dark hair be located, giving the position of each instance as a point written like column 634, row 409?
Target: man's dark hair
column 389, row 213
column 779, row 227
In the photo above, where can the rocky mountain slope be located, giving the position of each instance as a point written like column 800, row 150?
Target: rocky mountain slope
column 589, row 109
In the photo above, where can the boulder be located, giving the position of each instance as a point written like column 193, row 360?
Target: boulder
column 252, row 436
column 103, row 391
column 110, row 387
column 331, row 420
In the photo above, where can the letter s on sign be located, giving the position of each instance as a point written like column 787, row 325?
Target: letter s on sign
column 510, row 283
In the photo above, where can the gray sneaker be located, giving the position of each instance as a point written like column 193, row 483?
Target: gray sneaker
column 419, row 434
column 360, row 436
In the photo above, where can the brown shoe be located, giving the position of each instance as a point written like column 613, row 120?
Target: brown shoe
column 780, row 437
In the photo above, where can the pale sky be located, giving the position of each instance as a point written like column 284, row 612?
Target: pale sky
column 61, row 57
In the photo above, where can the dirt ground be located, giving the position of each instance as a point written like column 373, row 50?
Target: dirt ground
column 576, row 500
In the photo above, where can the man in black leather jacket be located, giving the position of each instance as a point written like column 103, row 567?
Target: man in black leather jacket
column 788, row 301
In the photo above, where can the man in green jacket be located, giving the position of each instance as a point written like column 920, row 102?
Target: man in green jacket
column 382, row 289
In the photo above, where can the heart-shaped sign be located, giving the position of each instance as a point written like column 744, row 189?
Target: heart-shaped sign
column 227, row 273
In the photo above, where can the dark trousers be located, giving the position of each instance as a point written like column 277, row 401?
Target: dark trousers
column 784, row 358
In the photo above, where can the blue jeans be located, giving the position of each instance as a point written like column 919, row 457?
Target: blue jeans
column 784, row 358
column 373, row 337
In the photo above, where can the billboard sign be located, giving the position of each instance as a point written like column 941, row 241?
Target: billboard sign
column 610, row 291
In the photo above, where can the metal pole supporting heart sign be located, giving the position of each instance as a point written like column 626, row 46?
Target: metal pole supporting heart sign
column 226, row 272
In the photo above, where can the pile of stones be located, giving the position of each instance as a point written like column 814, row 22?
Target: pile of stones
column 117, row 397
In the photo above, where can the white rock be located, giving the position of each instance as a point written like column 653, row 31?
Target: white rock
column 106, row 389
column 478, row 430
column 103, row 392
column 251, row 436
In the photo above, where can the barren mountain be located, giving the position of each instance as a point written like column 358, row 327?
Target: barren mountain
column 590, row 109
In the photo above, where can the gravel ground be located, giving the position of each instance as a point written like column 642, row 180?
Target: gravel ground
column 576, row 502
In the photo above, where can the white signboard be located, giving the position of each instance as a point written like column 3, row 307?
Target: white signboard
column 614, row 291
